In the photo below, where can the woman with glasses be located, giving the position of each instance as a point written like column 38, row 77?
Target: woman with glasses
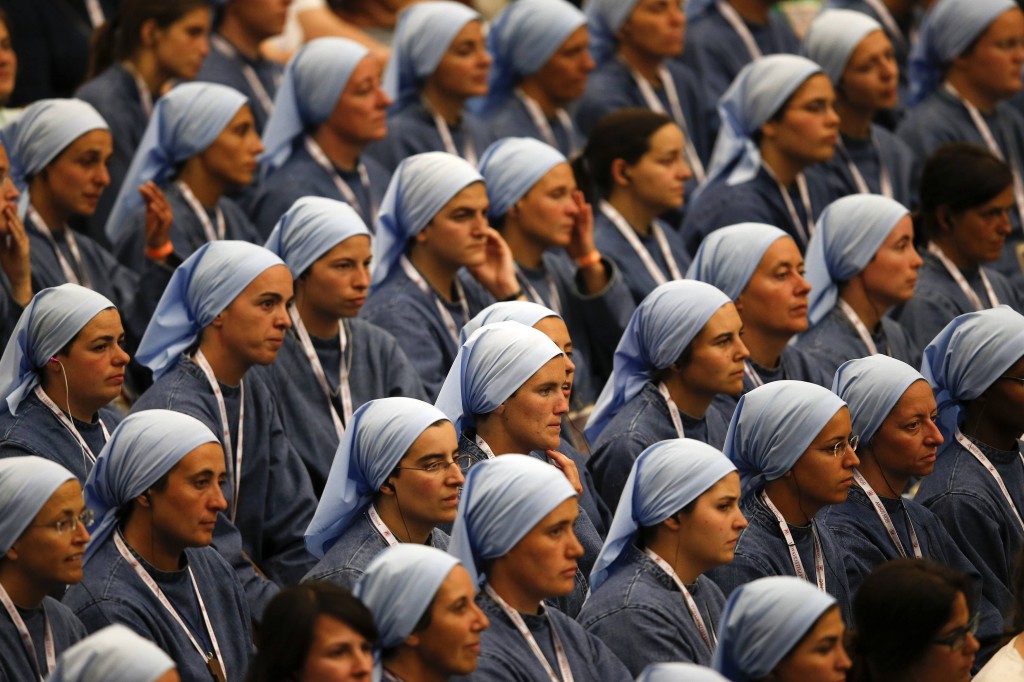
column 396, row 476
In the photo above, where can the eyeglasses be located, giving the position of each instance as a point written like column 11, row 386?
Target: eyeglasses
column 440, row 468
column 70, row 524
column 839, row 448
column 1019, row 380
column 956, row 641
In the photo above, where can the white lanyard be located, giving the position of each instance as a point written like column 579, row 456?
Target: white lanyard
column 69, row 424
column 884, row 181
column 540, row 121
column 412, row 273
column 212, row 234
column 858, row 325
column 798, row 565
column 709, row 638
column 145, row 96
column 369, row 213
column 886, row 17
column 381, row 527
column 555, row 302
column 214, row 660
column 654, row 104
column 984, row 461
column 26, row 638
column 805, row 230
column 482, row 444
column 738, row 25
column 883, row 515
column 69, row 272
column 95, row 11
column 344, row 391
column 961, row 282
column 751, row 373
column 236, row 469
column 449, row 143
column 629, row 234
column 255, row 84
column 517, row 620
column 673, row 411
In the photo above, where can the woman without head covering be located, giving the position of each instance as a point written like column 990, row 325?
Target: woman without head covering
column 331, row 362
column 199, row 145
column 777, row 121
column 42, row 539
column 861, row 263
column 781, row 628
column 432, row 224
column 438, row 61
column 329, row 107
column 115, row 654
column 514, row 535
column 678, row 517
column 423, row 603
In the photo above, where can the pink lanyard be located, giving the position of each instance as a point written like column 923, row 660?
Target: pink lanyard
column 69, row 272
column 370, row 212
column 412, row 273
column 961, row 281
column 520, row 625
column 69, row 424
column 629, row 234
column 673, row 411
column 984, row 461
column 26, row 638
column 236, row 469
column 798, row 565
column 886, row 520
column 381, row 527
column 709, row 638
column 212, row 234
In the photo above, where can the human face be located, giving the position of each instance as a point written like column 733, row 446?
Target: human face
column 451, row 643
column 563, row 78
column 338, row 653
column 1004, row 401
column 336, row 283
column 708, row 533
column 978, row 234
column 253, row 326
column 75, row 180
column 809, row 126
column 48, row 558
column 890, row 277
column 231, row 158
column 463, row 70
column 717, row 356
column 8, row 64
column 942, row 663
column 658, row 177
column 554, row 328
column 8, row 192
column 775, row 298
column 185, row 511
column 532, row 416
column 547, row 213
column 869, row 80
column 543, row 564
column 261, row 18
column 819, row 656
column 457, row 235
column 181, row 47
column 94, row 364
column 655, row 28
column 820, row 477
column 907, row 441
column 993, row 66
column 426, row 497
column 361, row 114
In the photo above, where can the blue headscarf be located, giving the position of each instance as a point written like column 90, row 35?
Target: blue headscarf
column 310, row 228
column 658, row 332
column 762, row 622
column 502, row 500
column 51, row 319
column 948, row 29
column 513, row 165
column 113, row 654
column 773, row 426
column 143, row 447
column 490, row 366
column 728, row 257
column 679, row 672
column 313, row 81
column 871, row 387
column 832, row 38
column 522, row 40
column 26, row 484
column 666, row 477
column 604, row 19
column 420, row 187
column 967, row 356
column 184, row 123
column 425, row 31
column 200, row 288
column 848, row 235
column 380, row 434
column 523, row 312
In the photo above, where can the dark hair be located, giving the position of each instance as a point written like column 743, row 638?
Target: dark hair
column 120, row 36
column 159, row 485
column 285, row 633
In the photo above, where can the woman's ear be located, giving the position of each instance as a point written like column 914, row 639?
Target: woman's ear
column 620, row 173
column 148, row 33
column 944, row 218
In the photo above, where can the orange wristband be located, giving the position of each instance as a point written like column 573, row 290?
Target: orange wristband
column 161, row 252
column 591, row 258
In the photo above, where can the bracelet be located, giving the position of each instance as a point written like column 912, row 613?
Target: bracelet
column 592, row 258
column 513, row 297
column 161, row 252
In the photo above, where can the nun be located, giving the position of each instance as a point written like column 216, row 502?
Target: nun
column 438, row 61
column 331, row 361
column 678, row 517
column 200, row 145
column 858, row 57
column 976, row 370
column 329, row 107
column 541, row 65
column 437, row 263
column 514, row 536
column 396, row 476
column 43, row 535
column 115, row 654
column 792, row 445
column 420, row 598
column 861, row 263
column 156, row 493
column 679, row 672
column 681, row 349
column 781, row 628
column 58, row 375
column 778, row 121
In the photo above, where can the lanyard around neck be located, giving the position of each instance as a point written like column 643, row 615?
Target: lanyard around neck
column 449, row 142
column 255, row 84
column 803, row 228
column 985, row 462
column 883, row 516
column 212, row 233
column 629, row 234
column 961, row 281
column 449, row 322
column 368, row 213
column 68, row 423
column 236, row 468
column 520, row 625
column 381, row 527
column 794, row 554
column 884, row 181
column 543, row 125
column 554, row 302
column 344, row 391
column 69, row 272
column 736, row 22
column 709, row 638
column 673, row 411
column 858, row 325
column 26, row 637
column 654, row 104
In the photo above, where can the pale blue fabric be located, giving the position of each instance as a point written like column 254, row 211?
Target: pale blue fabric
column 728, row 257
column 502, row 500
column 419, row 189
column 523, row 312
column 604, row 19
column 847, row 236
column 490, row 366
column 666, row 477
column 425, row 31
column 967, row 356
column 48, row 323
column 200, row 288
column 184, row 123
column 871, row 387
column 762, row 622
column 26, row 484
column 310, row 228
column 513, row 165
column 380, row 434
column 143, row 447
column 658, row 332
column 948, row 29
column 113, row 654
column 833, row 36
column 679, row 672
column 773, row 426
column 313, row 81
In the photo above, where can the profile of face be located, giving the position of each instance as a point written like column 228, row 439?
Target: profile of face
column 554, row 328
column 708, row 533
column 185, row 511
column 335, row 285
column 824, row 473
column 427, row 483
column 891, row 275
column 992, row 67
column 338, row 653
column 74, row 181
column 463, row 70
column 808, row 128
column 951, row 654
column 94, row 364
column 450, row 644
column 532, row 416
column 563, row 77
column 232, row 157
column 775, row 298
column 908, row 440
column 253, row 326
column 8, row 192
column 977, row 235
column 820, row 655
column 717, row 356
column 180, row 47
column 1003, row 401
column 457, row 235
column 547, row 213
column 658, row 177
column 871, row 75
column 8, row 64
column 49, row 552
column 655, row 27
column 360, row 115
column 261, row 18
